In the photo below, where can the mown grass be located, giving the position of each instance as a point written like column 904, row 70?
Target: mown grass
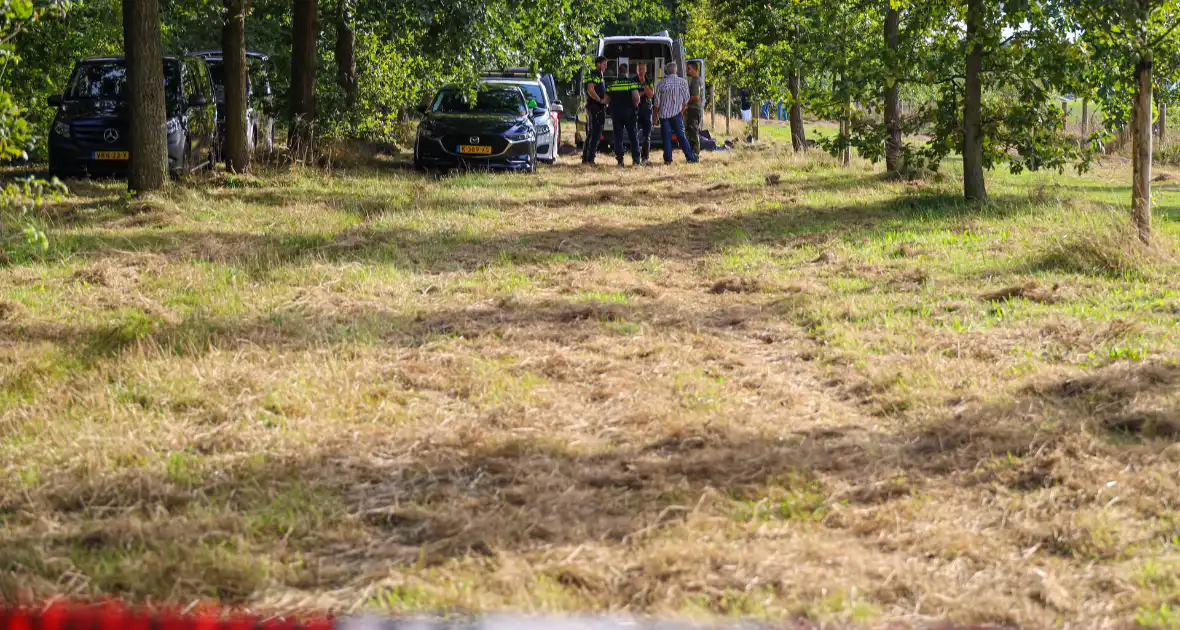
column 688, row 391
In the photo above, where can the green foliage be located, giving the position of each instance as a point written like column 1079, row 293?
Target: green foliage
column 842, row 52
column 47, row 52
column 405, row 49
column 1114, row 36
column 18, row 198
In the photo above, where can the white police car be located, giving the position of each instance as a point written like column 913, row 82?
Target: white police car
column 548, row 127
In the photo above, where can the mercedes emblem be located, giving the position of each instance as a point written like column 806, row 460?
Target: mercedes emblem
column 473, row 139
column 110, row 135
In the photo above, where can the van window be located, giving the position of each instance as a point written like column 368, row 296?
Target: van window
column 107, row 80
column 205, row 85
column 257, row 72
column 189, row 79
column 650, row 53
column 532, row 91
column 216, row 69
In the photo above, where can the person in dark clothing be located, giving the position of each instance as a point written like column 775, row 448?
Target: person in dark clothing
column 696, row 107
column 595, row 87
column 647, row 90
column 622, row 94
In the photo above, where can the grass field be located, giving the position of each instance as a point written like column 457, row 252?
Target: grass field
column 688, row 391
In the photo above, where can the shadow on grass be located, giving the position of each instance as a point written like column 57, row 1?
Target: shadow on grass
column 324, row 318
column 331, row 517
column 785, row 225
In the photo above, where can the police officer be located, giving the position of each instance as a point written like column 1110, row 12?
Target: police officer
column 647, row 90
column 622, row 94
column 595, row 110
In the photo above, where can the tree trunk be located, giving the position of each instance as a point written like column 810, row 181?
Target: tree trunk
column 148, row 137
column 846, row 125
column 754, row 117
column 1163, row 123
column 892, row 93
column 1141, row 151
column 728, row 111
column 974, row 187
column 233, row 46
column 1085, row 118
column 346, row 76
column 798, row 133
column 303, row 67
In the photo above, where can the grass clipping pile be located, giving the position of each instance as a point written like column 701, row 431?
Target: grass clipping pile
column 832, row 395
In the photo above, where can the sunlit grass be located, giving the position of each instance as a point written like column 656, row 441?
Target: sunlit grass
column 696, row 390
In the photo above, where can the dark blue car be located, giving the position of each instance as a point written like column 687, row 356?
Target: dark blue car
column 492, row 129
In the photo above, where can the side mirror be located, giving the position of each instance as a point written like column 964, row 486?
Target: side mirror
column 557, row 107
column 198, row 100
column 56, row 100
column 538, row 112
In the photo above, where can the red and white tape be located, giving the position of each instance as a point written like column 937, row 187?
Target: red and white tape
column 118, row 617
column 113, row 616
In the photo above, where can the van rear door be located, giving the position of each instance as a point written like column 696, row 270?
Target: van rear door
column 678, row 56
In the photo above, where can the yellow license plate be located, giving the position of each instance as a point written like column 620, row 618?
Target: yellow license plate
column 112, row 155
column 475, row 149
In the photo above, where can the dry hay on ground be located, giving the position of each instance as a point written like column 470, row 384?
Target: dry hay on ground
column 478, row 393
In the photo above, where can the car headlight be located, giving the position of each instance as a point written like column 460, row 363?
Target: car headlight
column 173, row 125
column 62, row 129
column 519, row 135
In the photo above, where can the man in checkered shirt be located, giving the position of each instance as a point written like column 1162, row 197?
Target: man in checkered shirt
column 671, row 100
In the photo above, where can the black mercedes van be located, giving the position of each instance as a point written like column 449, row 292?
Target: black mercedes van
column 89, row 135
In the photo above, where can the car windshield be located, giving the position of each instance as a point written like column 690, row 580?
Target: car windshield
column 490, row 101
column 99, row 81
column 108, row 81
column 532, row 91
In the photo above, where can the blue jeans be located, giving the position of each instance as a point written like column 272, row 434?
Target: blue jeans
column 675, row 125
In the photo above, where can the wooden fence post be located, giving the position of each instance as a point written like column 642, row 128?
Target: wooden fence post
column 713, row 112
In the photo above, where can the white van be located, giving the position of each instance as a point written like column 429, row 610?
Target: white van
column 652, row 50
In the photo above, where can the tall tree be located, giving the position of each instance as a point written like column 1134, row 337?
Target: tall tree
column 882, row 48
column 233, row 46
column 303, row 68
column 346, row 76
column 974, row 187
column 798, row 131
column 1121, row 40
column 145, row 94
column 1141, row 148
column 892, row 91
